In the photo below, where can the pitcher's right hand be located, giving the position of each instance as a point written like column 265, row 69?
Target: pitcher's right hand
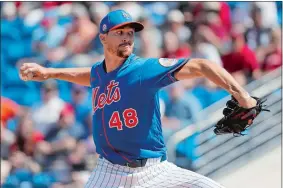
column 33, row 72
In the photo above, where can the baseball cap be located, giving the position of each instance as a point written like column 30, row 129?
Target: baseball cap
column 116, row 19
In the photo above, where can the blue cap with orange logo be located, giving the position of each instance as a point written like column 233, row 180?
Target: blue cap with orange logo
column 116, row 19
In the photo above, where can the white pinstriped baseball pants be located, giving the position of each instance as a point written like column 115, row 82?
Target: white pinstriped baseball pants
column 155, row 174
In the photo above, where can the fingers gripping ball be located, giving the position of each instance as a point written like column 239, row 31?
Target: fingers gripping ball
column 30, row 75
column 237, row 119
column 33, row 71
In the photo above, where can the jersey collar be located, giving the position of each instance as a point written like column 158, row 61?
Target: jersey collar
column 128, row 60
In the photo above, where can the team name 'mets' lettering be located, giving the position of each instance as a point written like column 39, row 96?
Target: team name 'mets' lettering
column 108, row 98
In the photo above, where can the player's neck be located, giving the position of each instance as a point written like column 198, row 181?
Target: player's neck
column 113, row 62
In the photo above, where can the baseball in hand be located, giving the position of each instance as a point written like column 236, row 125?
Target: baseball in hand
column 27, row 77
column 30, row 76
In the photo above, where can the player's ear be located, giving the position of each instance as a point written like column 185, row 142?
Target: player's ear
column 102, row 38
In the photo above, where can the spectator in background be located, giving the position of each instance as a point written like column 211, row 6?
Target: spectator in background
column 79, row 164
column 257, row 36
column 213, row 20
column 214, row 34
column 82, row 31
column 173, row 48
column 221, row 9
column 22, row 151
column 22, row 170
column 240, row 13
column 10, row 111
column 181, row 107
column 132, row 7
column 176, row 25
column 9, row 11
column 273, row 53
column 80, row 36
column 186, row 8
column 59, row 143
column 7, row 138
column 83, row 113
column 50, row 34
column 201, row 48
column 219, row 18
column 23, row 166
column 47, row 111
column 269, row 13
column 11, row 39
column 97, row 11
column 241, row 58
column 147, row 48
column 26, row 137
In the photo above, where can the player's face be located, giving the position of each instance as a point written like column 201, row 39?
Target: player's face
column 120, row 42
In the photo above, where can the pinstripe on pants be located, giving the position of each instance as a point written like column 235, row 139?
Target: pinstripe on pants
column 154, row 175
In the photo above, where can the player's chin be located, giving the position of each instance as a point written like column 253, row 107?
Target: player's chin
column 124, row 53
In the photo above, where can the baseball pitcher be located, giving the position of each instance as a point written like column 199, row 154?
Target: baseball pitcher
column 126, row 118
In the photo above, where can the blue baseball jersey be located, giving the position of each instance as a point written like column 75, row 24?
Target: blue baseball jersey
column 125, row 102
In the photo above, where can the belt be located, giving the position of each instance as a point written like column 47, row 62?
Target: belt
column 136, row 163
column 139, row 162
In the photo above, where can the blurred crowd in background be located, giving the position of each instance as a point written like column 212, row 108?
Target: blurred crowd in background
column 46, row 134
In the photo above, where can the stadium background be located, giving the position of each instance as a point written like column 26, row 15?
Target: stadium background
column 46, row 127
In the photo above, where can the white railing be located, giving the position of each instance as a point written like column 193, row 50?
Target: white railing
column 259, row 88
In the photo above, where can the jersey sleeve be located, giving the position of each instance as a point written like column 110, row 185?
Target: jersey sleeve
column 159, row 72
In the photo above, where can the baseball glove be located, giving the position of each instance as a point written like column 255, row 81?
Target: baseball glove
column 237, row 119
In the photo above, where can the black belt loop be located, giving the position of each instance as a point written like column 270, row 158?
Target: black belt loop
column 142, row 162
column 136, row 163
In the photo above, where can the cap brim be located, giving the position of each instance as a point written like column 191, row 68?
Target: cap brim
column 135, row 25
